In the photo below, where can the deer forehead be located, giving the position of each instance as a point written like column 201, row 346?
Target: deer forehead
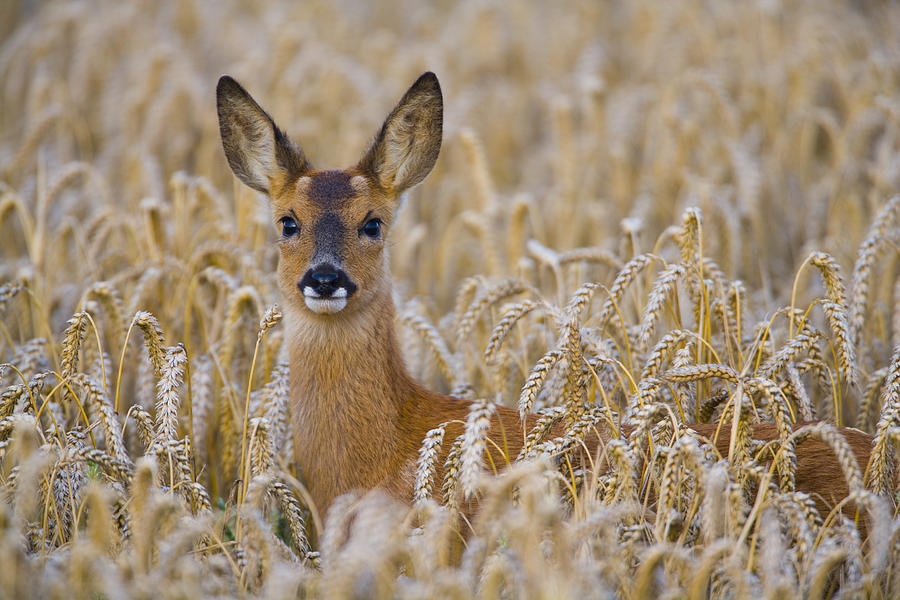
column 335, row 192
column 331, row 189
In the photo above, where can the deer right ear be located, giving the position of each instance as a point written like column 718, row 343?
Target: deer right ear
column 406, row 148
column 259, row 153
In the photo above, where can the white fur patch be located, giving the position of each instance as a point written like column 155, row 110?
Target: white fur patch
column 325, row 306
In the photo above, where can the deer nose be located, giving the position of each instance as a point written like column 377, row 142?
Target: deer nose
column 326, row 281
column 325, row 278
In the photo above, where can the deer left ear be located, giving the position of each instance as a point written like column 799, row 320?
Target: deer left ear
column 406, row 148
column 258, row 152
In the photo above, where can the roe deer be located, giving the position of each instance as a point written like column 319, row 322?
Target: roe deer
column 358, row 418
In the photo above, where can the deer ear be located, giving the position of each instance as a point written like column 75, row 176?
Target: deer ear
column 258, row 152
column 406, row 148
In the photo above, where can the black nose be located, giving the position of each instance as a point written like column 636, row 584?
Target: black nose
column 324, row 280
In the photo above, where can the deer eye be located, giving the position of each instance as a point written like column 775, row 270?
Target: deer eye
column 372, row 228
column 289, row 226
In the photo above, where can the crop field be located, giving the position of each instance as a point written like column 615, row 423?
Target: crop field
column 645, row 214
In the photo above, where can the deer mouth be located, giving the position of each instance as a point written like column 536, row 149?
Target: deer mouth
column 325, row 305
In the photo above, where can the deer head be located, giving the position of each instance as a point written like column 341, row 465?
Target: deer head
column 333, row 224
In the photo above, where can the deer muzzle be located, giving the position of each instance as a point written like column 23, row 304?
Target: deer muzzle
column 326, row 289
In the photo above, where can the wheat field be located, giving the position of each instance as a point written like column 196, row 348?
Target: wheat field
column 648, row 213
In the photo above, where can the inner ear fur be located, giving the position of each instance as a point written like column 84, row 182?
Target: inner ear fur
column 406, row 148
column 258, row 152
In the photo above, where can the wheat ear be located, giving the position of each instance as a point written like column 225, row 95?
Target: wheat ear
column 72, row 340
column 435, row 342
column 505, row 325
column 879, row 471
column 502, row 290
column 474, row 444
column 426, row 467
column 536, row 380
column 836, row 310
column 167, row 396
column 876, row 240
column 623, row 279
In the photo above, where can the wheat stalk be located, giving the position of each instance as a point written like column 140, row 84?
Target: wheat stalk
column 492, row 295
column 259, row 448
column 580, row 300
column 666, row 345
column 836, row 310
column 659, row 294
column 623, row 279
column 591, row 255
column 865, row 258
column 72, row 340
column 435, row 342
column 879, row 471
column 426, row 466
column 699, row 372
column 536, row 379
column 276, row 395
column 505, row 325
column 450, row 485
column 474, row 443
column 484, row 187
column 201, row 386
column 167, row 396
column 97, row 401
column 112, row 303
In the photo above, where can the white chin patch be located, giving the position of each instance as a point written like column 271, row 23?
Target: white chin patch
column 325, row 306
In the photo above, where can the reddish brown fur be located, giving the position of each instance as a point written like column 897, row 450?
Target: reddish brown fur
column 358, row 418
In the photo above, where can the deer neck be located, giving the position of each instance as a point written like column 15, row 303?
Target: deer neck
column 348, row 392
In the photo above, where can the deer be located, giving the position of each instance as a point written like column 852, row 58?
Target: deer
column 358, row 418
